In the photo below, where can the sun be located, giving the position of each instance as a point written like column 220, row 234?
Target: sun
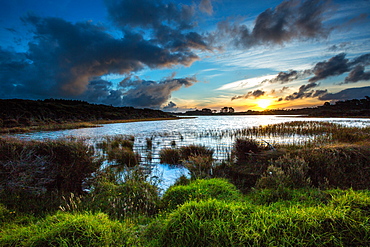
column 264, row 103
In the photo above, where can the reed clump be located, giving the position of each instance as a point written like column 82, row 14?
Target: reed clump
column 170, row 156
column 35, row 173
column 121, row 195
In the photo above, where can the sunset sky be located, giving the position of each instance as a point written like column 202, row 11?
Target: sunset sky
column 186, row 55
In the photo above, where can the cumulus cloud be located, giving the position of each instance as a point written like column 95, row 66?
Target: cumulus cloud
column 288, row 21
column 305, row 91
column 251, row 94
column 135, row 92
column 170, row 24
column 152, row 94
column 357, row 74
column 284, row 77
column 67, row 60
column 334, row 66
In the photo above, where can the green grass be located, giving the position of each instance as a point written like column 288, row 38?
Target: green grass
column 329, row 218
column 198, row 190
column 65, row 229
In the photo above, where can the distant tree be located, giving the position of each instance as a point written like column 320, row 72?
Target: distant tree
column 224, row 109
column 206, row 110
column 231, row 110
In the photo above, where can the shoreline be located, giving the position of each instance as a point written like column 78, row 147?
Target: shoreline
column 77, row 125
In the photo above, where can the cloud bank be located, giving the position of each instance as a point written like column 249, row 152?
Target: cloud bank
column 67, row 60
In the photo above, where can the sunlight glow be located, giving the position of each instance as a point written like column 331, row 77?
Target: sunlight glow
column 264, row 103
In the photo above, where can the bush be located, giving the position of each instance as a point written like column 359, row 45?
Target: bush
column 124, row 157
column 198, row 190
column 286, row 171
column 170, row 156
column 195, row 150
column 340, row 166
column 120, row 198
column 34, row 174
column 62, row 165
column 64, row 229
column 199, row 166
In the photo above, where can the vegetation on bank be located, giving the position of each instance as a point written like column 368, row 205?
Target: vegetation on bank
column 17, row 115
column 312, row 194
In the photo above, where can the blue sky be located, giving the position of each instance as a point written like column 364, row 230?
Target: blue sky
column 182, row 55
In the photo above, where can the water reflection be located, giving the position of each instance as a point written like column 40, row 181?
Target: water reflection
column 204, row 130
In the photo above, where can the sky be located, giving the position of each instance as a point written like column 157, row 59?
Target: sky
column 186, row 54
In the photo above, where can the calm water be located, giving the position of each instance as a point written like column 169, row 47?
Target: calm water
column 202, row 130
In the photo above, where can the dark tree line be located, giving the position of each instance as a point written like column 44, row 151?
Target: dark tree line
column 18, row 112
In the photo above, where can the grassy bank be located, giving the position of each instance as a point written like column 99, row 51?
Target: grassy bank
column 76, row 125
column 308, row 194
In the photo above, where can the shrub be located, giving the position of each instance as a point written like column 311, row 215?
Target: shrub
column 65, row 229
column 170, row 156
column 340, row 166
column 200, row 189
column 35, row 173
column 195, row 150
column 286, row 171
column 200, row 166
column 124, row 157
column 120, row 198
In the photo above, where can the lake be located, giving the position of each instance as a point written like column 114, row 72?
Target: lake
column 212, row 131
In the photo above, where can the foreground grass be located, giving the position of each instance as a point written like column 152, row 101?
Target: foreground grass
column 305, row 217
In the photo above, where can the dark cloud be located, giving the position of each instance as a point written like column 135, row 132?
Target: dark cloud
column 349, row 93
column 65, row 59
column 305, row 92
column 252, row 94
column 336, row 65
column 168, row 23
column 206, row 6
column 135, row 92
column 357, row 74
column 170, row 106
column 284, row 77
column 150, row 13
column 288, row 21
column 339, row 65
column 152, row 94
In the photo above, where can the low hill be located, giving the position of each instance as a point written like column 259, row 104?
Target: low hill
column 19, row 112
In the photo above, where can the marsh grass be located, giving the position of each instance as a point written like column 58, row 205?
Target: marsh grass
column 286, row 202
column 34, row 174
column 170, row 156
